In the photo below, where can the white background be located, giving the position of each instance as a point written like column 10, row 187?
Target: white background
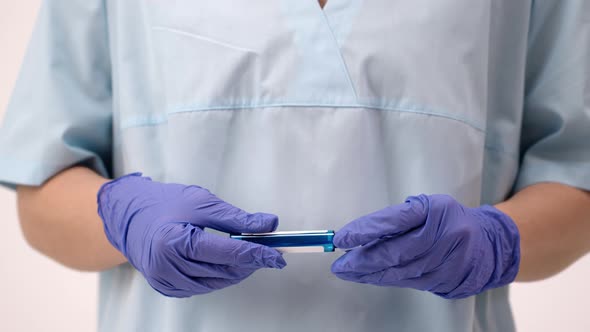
column 37, row 294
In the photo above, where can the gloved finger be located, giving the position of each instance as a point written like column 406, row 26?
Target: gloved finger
column 174, row 263
column 432, row 272
column 390, row 221
column 434, row 282
column 426, row 282
column 385, row 253
column 389, row 276
column 199, row 286
column 177, row 289
column 185, row 286
column 217, row 214
column 220, row 283
column 196, row 269
column 444, row 279
column 198, row 245
column 384, row 276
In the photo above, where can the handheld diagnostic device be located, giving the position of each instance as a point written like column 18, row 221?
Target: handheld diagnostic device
column 292, row 241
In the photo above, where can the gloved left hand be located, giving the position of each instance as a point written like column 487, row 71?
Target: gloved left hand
column 431, row 243
column 159, row 227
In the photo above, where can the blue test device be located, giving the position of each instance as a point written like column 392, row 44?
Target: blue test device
column 292, row 241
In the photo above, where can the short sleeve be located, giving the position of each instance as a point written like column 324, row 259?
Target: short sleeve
column 60, row 112
column 555, row 142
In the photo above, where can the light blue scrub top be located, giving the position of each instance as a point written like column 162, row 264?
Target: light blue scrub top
column 316, row 116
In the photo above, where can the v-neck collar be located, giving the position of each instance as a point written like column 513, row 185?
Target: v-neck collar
column 340, row 15
column 322, row 70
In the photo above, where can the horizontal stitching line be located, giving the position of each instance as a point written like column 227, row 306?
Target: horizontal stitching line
column 142, row 122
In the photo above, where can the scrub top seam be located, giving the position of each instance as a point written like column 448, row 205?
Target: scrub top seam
column 144, row 121
column 340, row 55
column 487, row 146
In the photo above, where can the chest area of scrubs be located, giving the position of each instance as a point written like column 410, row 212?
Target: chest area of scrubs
column 318, row 116
column 379, row 98
column 408, row 56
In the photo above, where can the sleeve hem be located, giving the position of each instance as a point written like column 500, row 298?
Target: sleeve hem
column 550, row 172
column 14, row 172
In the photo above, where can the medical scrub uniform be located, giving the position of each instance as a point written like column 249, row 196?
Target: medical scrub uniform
column 318, row 116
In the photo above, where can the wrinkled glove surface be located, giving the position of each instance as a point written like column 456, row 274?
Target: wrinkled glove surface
column 431, row 243
column 159, row 228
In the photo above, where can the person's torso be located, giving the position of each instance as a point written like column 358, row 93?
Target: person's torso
column 319, row 117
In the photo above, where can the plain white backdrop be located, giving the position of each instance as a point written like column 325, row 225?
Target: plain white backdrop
column 37, row 294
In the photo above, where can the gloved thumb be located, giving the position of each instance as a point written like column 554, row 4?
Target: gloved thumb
column 386, row 223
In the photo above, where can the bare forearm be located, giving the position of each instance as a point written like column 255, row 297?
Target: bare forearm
column 554, row 225
column 60, row 220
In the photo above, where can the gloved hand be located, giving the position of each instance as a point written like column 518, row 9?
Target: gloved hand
column 159, row 228
column 431, row 243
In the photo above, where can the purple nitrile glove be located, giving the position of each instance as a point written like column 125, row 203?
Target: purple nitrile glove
column 159, row 228
column 431, row 243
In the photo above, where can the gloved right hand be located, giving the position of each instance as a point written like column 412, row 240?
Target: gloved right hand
column 159, row 228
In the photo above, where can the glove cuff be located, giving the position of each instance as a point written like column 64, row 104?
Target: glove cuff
column 104, row 203
column 506, row 246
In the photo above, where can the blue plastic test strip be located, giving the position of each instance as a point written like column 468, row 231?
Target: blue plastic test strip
column 292, row 241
